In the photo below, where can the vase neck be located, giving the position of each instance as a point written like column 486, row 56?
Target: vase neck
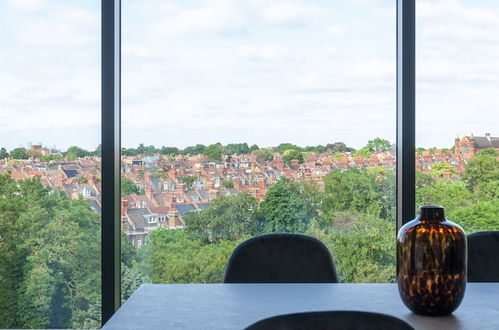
column 431, row 214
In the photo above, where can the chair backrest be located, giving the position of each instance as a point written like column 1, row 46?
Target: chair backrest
column 281, row 258
column 341, row 320
column 483, row 257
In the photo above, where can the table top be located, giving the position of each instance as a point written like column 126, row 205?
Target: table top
column 236, row 306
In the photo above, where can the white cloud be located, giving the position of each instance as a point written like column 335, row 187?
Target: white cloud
column 27, row 4
column 211, row 16
column 286, row 12
column 266, row 52
column 337, row 30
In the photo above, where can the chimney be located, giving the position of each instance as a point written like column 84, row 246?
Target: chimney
column 237, row 183
column 262, row 183
column 212, row 194
column 91, row 179
column 149, row 191
column 170, row 201
column 172, row 218
column 124, row 207
column 181, row 187
column 172, row 173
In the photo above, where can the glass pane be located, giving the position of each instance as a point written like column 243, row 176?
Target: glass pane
column 457, row 117
column 247, row 117
column 49, row 164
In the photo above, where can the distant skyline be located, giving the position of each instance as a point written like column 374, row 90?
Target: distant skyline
column 255, row 71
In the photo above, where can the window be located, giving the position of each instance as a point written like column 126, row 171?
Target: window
column 50, row 245
column 234, row 109
column 457, row 117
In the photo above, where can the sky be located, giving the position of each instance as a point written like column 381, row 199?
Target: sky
column 256, row 71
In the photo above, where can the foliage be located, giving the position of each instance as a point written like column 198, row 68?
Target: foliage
column 237, row 149
column 424, row 179
column 364, row 153
column 51, row 157
column 198, row 149
column 362, row 245
column 229, row 184
column 75, row 152
column 440, row 169
column 288, row 207
column 478, row 216
column 378, row 145
column 450, row 195
column 214, row 151
column 3, row 153
column 19, row 153
column 128, row 187
column 283, row 147
column 339, row 147
column 353, row 189
column 263, row 155
column 188, row 180
column 49, row 252
column 228, row 218
column 292, row 154
column 482, row 169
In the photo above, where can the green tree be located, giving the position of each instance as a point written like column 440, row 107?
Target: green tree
column 229, row 184
column 291, row 154
column 228, row 218
column 51, row 157
column 263, row 155
column 19, row 153
column 49, row 251
column 378, row 145
column 288, row 207
column 214, row 151
column 483, row 169
column 338, row 147
column 353, row 189
column 3, row 153
column 77, row 152
column 198, row 149
column 364, row 153
column 478, row 216
column 169, row 151
column 362, row 245
column 440, row 169
column 237, row 149
column 188, row 180
column 128, row 187
column 287, row 146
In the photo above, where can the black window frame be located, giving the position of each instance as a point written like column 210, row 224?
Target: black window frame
column 111, row 135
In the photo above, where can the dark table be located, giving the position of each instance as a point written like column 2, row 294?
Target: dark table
column 235, row 306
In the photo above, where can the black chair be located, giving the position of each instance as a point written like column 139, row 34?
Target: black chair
column 334, row 320
column 483, row 257
column 281, row 258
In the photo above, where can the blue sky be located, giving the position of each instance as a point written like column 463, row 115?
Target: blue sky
column 256, row 71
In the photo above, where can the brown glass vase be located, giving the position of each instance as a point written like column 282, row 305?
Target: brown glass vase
column 431, row 263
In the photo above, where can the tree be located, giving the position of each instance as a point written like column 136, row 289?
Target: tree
column 214, row 151
column 287, row 146
column 237, row 149
column 378, row 145
column 440, row 169
column 263, row 155
column 354, row 190
column 482, row 169
column 19, row 153
column 424, row 179
column 76, row 152
column 288, row 207
column 3, row 153
column 450, row 195
column 477, row 216
column 362, row 245
column 188, row 180
column 338, row 147
column 291, row 154
column 194, row 150
column 169, row 151
column 228, row 218
column 51, row 157
column 49, row 251
column 229, row 184
column 364, row 153
column 128, row 187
